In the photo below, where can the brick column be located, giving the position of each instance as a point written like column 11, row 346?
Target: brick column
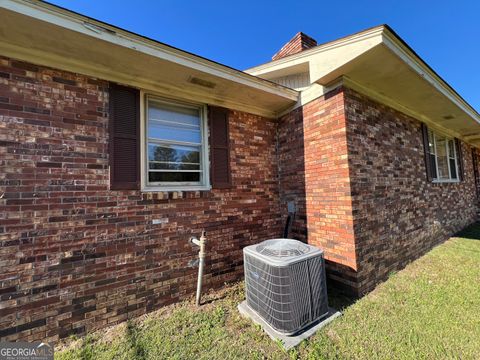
column 327, row 186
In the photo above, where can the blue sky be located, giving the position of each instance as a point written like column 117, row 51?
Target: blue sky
column 241, row 34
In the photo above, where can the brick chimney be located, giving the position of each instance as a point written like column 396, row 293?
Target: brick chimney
column 298, row 43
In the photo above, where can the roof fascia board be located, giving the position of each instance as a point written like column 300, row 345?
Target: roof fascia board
column 72, row 65
column 307, row 55
column 114, row 35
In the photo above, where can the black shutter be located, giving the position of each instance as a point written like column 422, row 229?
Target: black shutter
column 124, row 122
column 219, row 148
column 475, row 170
column 458, row 146
column 426, row 148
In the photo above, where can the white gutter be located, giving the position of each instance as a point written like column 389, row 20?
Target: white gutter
column 78, row 23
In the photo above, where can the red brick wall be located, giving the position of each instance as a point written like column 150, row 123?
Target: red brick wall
column 75, row 256
column 327, row 185
column 367, row 201
column 313, row 172
column 398, row 215
column 291, row 171
column 476, row 155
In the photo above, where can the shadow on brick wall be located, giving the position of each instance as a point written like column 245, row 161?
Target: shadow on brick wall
column 291, row 171
column 472, row 232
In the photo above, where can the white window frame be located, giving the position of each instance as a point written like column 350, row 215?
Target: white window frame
column 448, row 139
column 204, row 158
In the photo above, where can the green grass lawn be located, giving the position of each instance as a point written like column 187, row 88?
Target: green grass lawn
column 429, row 310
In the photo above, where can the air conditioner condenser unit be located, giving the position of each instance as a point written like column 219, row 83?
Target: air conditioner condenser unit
column 285, row 284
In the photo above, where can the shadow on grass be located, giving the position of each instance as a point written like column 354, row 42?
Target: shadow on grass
column 472, row 232
column 340, row 300
column 133, row 335
column 337, row 299
column 209, row 298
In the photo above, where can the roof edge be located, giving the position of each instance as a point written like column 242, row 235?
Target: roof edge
column 397, row 45
column 361, row 35
column 71, row 20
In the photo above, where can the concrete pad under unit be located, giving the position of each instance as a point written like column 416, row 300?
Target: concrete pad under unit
column 288, row 342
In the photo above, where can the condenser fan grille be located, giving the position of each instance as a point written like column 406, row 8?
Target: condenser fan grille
column 282, row 248
column 285, row 284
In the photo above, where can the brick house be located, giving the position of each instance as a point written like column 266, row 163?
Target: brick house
column 115, row 149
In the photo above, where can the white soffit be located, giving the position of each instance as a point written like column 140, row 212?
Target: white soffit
column 48, row 35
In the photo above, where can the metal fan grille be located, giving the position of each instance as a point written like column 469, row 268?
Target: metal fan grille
column 282, row 248
column 287, row 298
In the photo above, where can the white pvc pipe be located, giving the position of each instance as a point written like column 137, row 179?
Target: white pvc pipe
column 201, row 264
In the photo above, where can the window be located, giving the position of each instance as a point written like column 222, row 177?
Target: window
column 442, row 153
column 176, row 146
